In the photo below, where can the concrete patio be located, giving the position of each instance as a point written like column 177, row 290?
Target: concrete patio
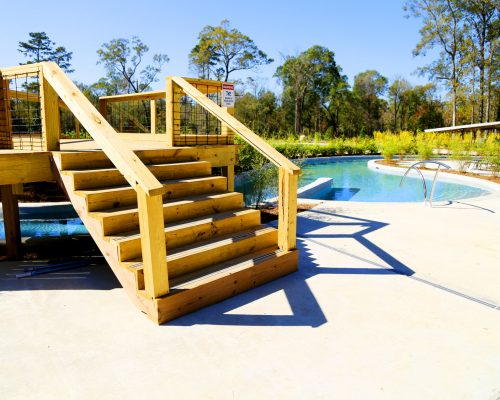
column 392, row 301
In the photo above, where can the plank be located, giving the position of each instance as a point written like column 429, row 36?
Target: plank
column 19, row 166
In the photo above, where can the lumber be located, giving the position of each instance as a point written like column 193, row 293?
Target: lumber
column 12, row 225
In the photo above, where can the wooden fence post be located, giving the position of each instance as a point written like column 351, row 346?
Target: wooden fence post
column 5, row 117
column 154, row 250
column 287, row 215
column 152, row 106
column 51, row 129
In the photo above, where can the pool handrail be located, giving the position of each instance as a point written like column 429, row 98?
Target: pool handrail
column 414, row 166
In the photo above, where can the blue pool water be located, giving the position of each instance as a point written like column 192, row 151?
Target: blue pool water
column 354, row 181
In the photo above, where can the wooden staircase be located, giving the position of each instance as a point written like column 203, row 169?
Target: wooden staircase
column 216, row 247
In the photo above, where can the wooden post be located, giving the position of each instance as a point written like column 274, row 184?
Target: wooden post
column 103, row 108
column 154, row 252
column 77, row 128
column 5, row 117
column 152, row 106
column 12, row 225
column 51, row 129
column 169, row 112
column 228, row 171
column 287, row 215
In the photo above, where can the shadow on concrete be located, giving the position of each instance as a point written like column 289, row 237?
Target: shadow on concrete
column 49, row 251
column 313, row 226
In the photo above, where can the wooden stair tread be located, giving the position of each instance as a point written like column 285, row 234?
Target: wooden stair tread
column 166, row 203
column 186, row 223
column 167, row 182
column 205, row 245
column 150, row 166
column 191, row 279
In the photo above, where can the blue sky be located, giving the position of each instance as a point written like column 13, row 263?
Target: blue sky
column 364, row 34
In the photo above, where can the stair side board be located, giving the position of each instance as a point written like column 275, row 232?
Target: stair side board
column 126, row 277
column 226, row 284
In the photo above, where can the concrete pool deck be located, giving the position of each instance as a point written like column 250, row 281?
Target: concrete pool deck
column 392, row 301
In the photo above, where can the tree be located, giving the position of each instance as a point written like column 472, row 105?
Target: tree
column 122, row 59
column 40, row 48
column 309, row 78
column 222, row 50
column 368, row 86
column 442, row 28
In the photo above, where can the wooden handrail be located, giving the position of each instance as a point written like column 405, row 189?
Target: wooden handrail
column 258, row 143
column 288, row 171
column 120, row 154
column 157, row 94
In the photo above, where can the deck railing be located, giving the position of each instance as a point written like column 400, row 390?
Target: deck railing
column 288, row 171
column 54, row 86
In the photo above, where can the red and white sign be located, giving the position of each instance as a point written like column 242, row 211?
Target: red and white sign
column 228, row 97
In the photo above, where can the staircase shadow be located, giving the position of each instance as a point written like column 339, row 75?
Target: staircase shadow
column 313, row 227
column 95, row 275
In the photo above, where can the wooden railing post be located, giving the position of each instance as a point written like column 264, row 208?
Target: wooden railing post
column 287, row 216
column 228, row 171
column 154, row 252
column 103, row 108
column 5, row 117
column 169, row 112
column 11, row 221
column 51, row 127
column 152, row 106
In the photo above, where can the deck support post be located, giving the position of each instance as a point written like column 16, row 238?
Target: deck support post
column 10, row 209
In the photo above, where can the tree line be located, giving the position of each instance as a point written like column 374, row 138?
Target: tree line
column 316, row 97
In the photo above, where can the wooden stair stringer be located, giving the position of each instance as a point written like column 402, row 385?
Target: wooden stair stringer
column 109, row 250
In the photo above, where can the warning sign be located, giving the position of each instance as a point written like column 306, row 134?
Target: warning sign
column 228, row 97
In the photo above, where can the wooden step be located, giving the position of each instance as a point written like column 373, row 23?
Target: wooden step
column 126, row 219
column 214, row 251
column 98, row 178
column 211, row 285
column 118, row 196
column 90, row 159
column 190, row 231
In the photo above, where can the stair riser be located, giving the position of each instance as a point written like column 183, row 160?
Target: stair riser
column 174, row 212
column 194, row 262
column 182, row 236
column 97, row 159
column 128, row 196
column 98, row 179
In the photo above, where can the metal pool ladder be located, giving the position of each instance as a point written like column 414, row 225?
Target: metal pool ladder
column 414, row 166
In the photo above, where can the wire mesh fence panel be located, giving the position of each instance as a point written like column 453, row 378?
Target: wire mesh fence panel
column 130, row 116
column 21, row 114
column 194, row 125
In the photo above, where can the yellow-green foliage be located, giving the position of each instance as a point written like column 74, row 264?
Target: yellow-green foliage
column 426, row 142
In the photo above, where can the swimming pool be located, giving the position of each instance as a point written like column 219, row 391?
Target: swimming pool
column 354, row 181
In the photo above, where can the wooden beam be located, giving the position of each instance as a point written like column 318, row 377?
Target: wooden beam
column 51, row 128
column 157, row 94
column 5, row 117
column 154, row 253
column 287, row 215
column 27, row 69
column 18, row 166
column 12, row 225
